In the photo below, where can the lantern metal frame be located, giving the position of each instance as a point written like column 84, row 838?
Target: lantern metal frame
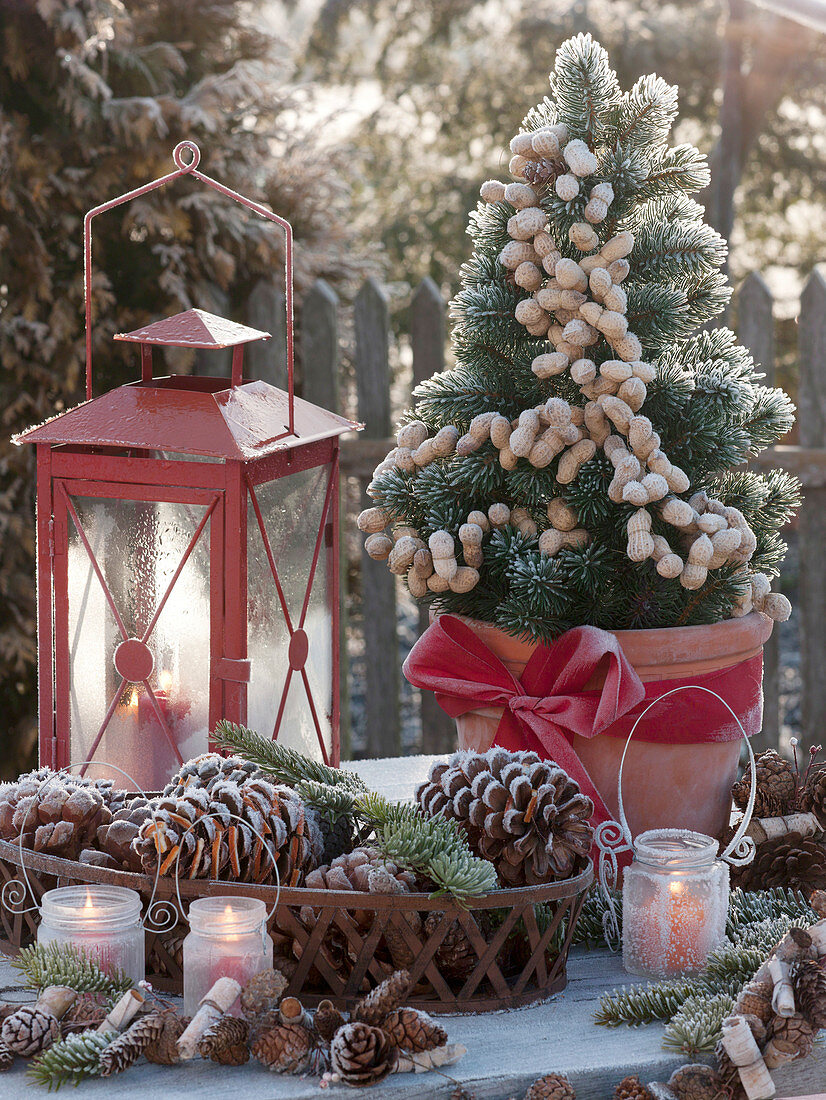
column 250, row 433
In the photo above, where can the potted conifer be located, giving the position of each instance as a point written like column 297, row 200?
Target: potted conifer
column 582, row 464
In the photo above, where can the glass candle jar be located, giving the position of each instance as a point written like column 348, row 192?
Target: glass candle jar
column 102, row 921
column 674, row 903
column 227, row 938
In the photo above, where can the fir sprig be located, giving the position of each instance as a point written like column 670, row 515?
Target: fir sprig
column 697, row 1026
column 285, row 764
column 71, row 1060
column 431, row 846
column 42, row 965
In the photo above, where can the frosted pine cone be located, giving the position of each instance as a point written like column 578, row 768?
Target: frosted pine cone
column 285, row 1048
column 776, row 787
column 384, row 999
column 351, row 872
column 124, row 1051
column 553, row 1086
column 263, row 993
column 756, row 1000
column 362, row 1055
column 524, row 814
column 6, row 1058
column 413, row 1030
column 54, row 812
column 117, row 838
column 198, row 829
column 29, row 1030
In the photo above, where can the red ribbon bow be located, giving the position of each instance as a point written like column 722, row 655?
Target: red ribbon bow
column 549, row 702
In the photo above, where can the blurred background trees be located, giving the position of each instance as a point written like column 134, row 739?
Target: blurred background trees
column 370, row 125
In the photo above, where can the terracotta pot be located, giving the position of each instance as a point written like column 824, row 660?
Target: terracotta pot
column 664, row 786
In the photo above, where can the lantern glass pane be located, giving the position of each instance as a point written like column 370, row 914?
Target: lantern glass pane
column 138, row 546
column 292, row 508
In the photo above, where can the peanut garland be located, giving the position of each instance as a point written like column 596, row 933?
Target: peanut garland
column 575, row 304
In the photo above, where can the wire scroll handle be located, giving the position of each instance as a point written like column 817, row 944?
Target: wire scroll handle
column 613, row 838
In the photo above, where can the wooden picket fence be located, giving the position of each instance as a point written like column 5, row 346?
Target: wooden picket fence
column 319, row 358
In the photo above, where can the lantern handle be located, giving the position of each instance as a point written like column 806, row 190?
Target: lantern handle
column 184, row 168
column 612, row 838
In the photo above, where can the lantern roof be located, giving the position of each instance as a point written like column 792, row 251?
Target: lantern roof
column 192, row 415
column 194, row 328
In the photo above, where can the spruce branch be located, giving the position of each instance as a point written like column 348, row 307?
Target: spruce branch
column 286, row 764
column 71, row 1060
column 430, row 846
column 697, row 1026
column 42, row 965
column 638, row 1005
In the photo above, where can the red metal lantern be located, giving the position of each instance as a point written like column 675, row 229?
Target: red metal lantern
column 187, row 552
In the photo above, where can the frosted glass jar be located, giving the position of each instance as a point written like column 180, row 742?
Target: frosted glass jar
column 102, row 921
column 227, row 938
column 674, row 903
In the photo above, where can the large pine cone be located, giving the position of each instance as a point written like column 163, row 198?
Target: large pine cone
column 809, row 980
column 793, row 861
column 54, row 812
column 776, row 786
column 553, row 1086
column 361, row 1054
column 201, row 823
column 118, row 839
column 813, row 797
column 525, row 815
column 696, row 1082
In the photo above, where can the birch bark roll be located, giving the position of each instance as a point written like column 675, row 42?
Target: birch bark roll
column 219, row 1000
column 783, row 996
column 741, row 1047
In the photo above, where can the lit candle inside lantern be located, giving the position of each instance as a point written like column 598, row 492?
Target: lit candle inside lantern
column 675, row 901
column 104, row 922
column 228, row 938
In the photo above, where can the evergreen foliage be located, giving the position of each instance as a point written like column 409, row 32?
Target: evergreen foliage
column 286, row 765
column 431, row 846
column 42, row 965
column 706, row 401
column 71, row 1060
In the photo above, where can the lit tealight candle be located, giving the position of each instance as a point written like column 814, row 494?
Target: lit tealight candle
column 228, row 938
column 104, row 922
column 675, row 901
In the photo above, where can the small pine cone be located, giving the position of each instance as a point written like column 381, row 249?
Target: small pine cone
column 756, row 1000
column 89, row 1010
column 461, row 1093
column 163, row 1049
column 263, row 993
column 285, row 1048
column 384, row 999
column 327, row 1020
column 631, row 1088
column 6, row 1058
column 361, row 1054
column 809, row 980
column 794, row 861
column 792, row 1034
column 813, row 798
column 818, row 902
column 543, row 172
column 696, row 1082
column 553, row 1086
column 413, row 1030
column 29, row 1030
column 454, row 956
column 225, row 1042
column 124, row 1051
column 776, row 786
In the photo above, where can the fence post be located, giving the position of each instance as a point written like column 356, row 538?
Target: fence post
column 318, row 355
column 812, row 420
column 378, row 585
column 266, row 311
column 755, row 328
column 427, row 337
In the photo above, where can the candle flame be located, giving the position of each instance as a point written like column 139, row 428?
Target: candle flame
column 90, row 905
column 165, row 680
column 133, row 699
column 676, row 889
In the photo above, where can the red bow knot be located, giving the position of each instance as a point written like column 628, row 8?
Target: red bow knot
column 547, row 706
